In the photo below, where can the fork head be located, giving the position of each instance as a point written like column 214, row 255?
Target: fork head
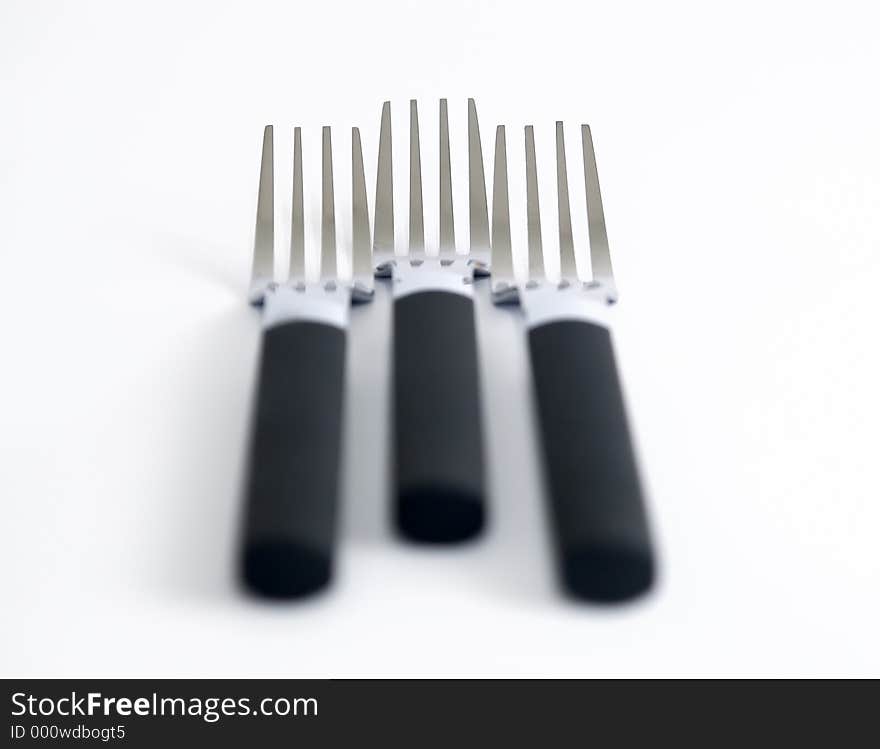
column 506, row 288
column 263, row 287
column 439, row 249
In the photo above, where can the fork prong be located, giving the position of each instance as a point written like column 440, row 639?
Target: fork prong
column 568, row 266
column 328, row 210
column 600, row 255
column 416, row 208
column 479, row 211
column 502, row 254
column 383, row 229
column 533, row 209
column 447, row 221
column 361, row 261
column 297, row 220
column 264, row 232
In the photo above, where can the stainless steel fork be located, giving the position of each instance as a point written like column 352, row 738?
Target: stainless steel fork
column 603, row 540
column 290, row 523
column 438, row 469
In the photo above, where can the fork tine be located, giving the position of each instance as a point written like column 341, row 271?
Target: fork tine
column 447, row 222
column 361, row 262
column 568, row 266
column 264, row 233
column 328, row 210
column 383, row 229
column 297, row 220
column 600, row 255
column 533, row 208
column 502, row 255
column 416, row 210
column 479, row 211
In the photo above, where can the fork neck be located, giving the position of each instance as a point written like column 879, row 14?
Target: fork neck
column 549, row 302
column 432, row 273
column 324, row 302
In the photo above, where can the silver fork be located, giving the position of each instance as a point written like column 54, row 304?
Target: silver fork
column 603, row 540
column 438, row 469
column 292, row 490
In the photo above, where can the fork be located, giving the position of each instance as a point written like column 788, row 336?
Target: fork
column 603, row 540
column 292, row 489
column 437, row 453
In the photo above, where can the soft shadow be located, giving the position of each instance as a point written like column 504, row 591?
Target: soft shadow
column 220, row 363
column 517, row 562
column 364, row 481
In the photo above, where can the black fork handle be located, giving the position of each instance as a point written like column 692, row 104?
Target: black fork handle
column 292, row 491
column 438, row 438
column 601, row 529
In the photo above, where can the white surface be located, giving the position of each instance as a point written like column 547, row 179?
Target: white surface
column 740, row 163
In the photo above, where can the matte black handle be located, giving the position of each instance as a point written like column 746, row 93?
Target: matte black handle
column 292, row 493
column 601, row 528
column 438, row 436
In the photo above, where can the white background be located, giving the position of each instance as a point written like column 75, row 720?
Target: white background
column 740, row 162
